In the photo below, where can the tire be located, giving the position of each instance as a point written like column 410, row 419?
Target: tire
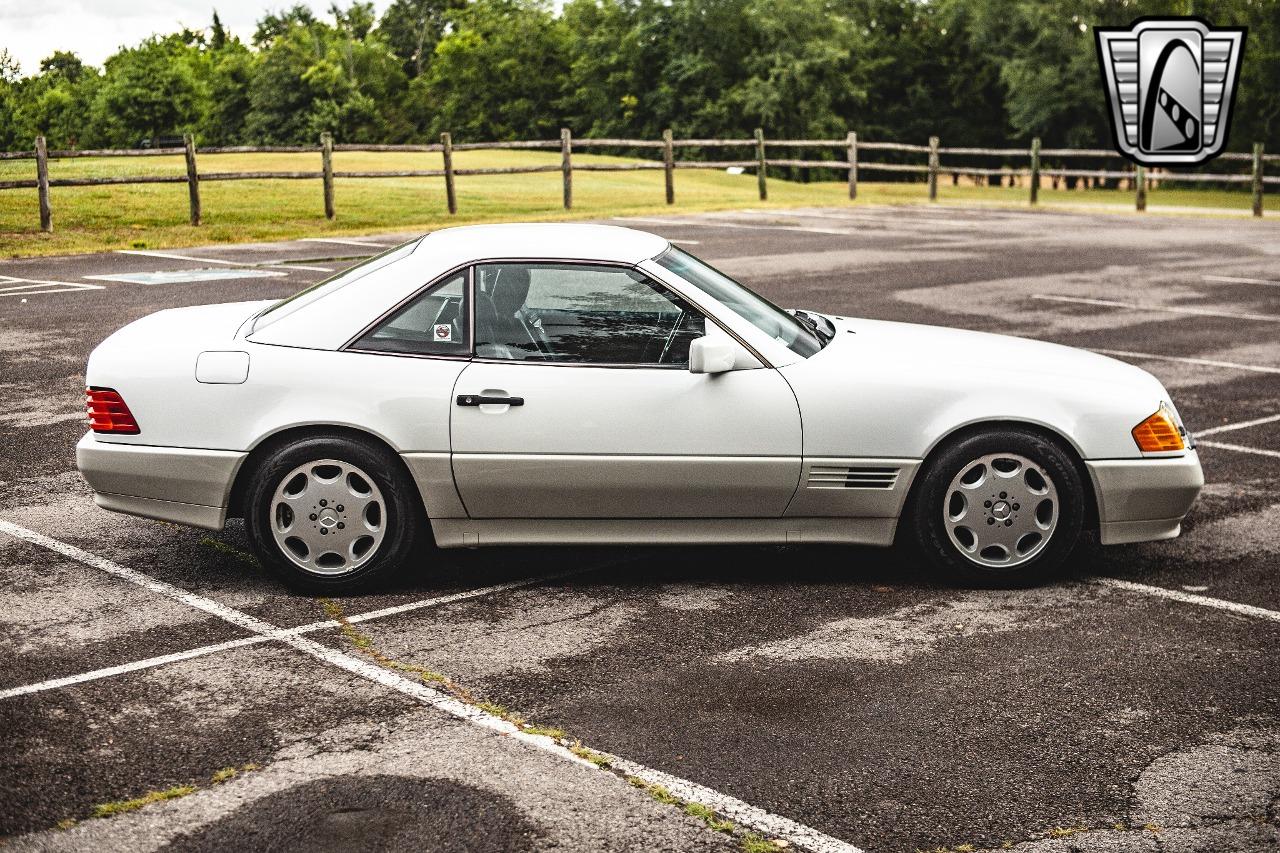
column 356, row 491
column 1019, row 496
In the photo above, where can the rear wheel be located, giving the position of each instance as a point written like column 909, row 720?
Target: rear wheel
column 332, row 514
column 1003, row 508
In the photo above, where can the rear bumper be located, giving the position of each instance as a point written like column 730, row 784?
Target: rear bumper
column 1141, row 500
column 176, row 484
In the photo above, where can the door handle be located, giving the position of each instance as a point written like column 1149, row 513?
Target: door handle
column 482, row 400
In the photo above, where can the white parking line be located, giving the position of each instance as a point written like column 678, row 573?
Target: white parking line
column 1207, row 362
column 347, row 242
column 282, row 265
column 1132, row 306
column 749, row 816
column 1191, row 598
column 1269, row 419
column 1231, row 279
column 285, row 265
column 35, row 286
column 258, row 639
column 131, row 666
column 1239, row 448
column 709, row 223
column 173, row 257
column 775, row 826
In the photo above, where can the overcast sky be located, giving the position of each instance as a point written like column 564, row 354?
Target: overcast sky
column 95, row 29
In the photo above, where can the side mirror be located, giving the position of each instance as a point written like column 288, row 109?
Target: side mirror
column 707, row 355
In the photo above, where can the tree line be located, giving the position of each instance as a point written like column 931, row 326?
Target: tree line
column 974, row 72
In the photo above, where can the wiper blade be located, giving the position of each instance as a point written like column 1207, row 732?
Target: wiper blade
column 811, row 321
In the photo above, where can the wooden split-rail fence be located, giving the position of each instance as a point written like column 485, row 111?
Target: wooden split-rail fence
column 848, row 158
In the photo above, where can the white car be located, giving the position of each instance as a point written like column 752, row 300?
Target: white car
column 529, row 384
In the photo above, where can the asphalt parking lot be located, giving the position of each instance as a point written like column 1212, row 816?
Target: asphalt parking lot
column 828, row 698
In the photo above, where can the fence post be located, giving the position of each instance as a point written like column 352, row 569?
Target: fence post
column 1257, row 179
column 852, row 140
column 669, row 165
column 42, row 183
column 446, row 145
column 1140, row 185
column 193, row 178
column 1035, row 170
column 933, row 168
column 566, row 165
column 760, row 169
column 326, row 162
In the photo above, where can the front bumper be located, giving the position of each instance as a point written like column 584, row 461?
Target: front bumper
column 178, row 484
column 1141, row 500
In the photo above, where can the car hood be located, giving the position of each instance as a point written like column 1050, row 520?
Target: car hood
column 953, row 351
column 900, row 387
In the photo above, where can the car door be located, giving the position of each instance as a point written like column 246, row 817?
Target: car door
column 579, row 404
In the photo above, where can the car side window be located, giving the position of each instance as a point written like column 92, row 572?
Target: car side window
column 434, row 323
column 582, row 313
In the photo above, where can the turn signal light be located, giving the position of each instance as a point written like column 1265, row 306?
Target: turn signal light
column 108, row 412
column 1159, row 433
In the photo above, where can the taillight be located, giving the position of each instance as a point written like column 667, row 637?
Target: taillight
column 1159, row 433
column 108, row 412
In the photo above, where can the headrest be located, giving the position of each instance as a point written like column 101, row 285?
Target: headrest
column 509, row 290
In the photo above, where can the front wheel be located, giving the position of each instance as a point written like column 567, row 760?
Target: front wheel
column 1003, row 508
column 332, row 514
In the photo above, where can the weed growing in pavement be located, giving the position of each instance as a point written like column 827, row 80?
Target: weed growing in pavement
column 1060, row 832
column 707, row 816
column 230, row 551
column 118, row 807
column 587, row 755
column 364, row 644
column 750, row 841
column 502, row 713
column 226, row 774
column 658, row 792
column 123, row 806
column 554, row 734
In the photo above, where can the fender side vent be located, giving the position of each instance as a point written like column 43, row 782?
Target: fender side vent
column 841, row 477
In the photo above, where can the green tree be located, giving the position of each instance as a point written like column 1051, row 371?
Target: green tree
column 313, row 77
column 1257, row 104
column 411, row 28
column 159, row 88
column 498, row 75
column 606, row 82
column 231, row 69
column 55, row 103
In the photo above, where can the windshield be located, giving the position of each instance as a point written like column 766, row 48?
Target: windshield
column 343, row 278
column 802, row 339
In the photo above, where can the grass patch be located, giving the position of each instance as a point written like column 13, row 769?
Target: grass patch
column 545, row 731
column 364, row 644
column 154, row 216
column 231, row 551
column 66, row 823
column 502, row 713
column 226, row 774
column 658, row 792
column 752, row 843
column 587, row 755
column 124, row 806
column 708, row 816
